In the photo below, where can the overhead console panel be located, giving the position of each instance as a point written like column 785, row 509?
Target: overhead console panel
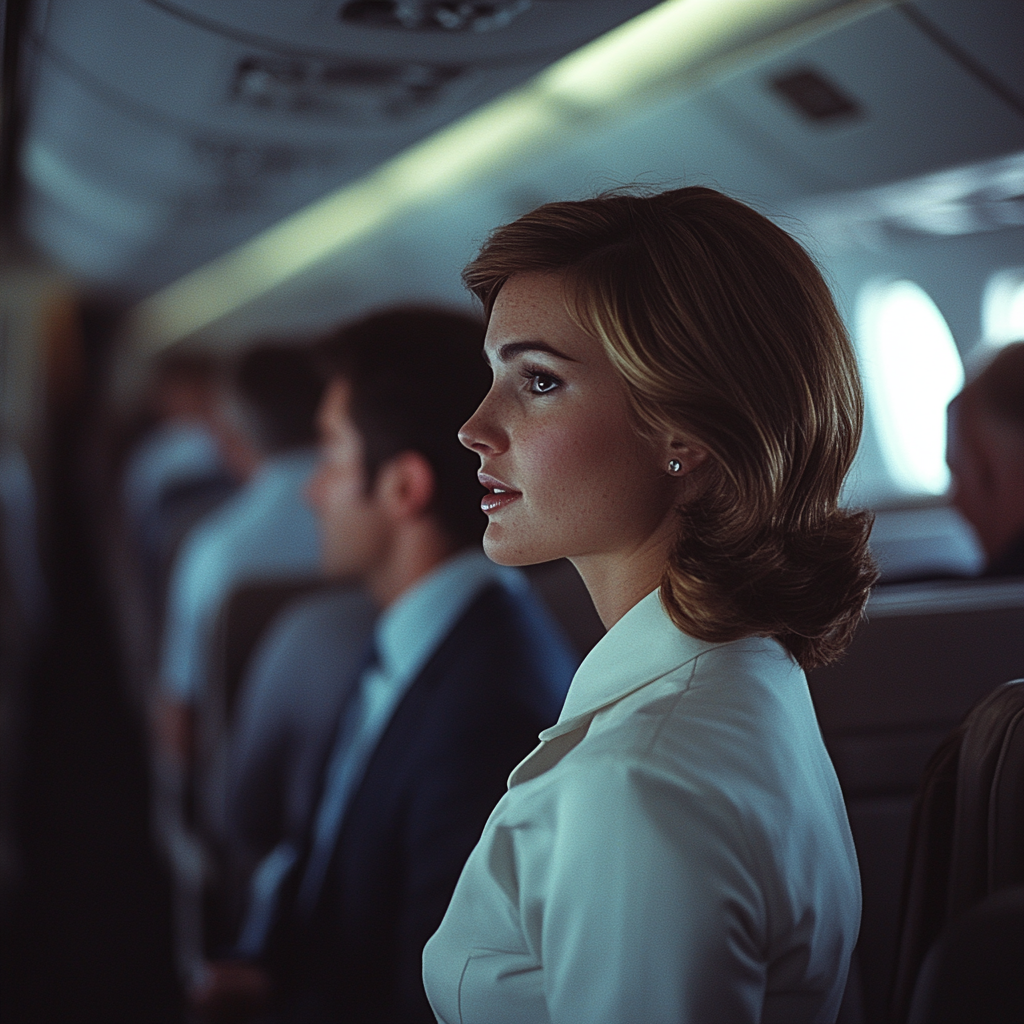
column 160, row 133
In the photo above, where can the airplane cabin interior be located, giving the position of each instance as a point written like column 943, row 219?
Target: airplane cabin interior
column 188, row 178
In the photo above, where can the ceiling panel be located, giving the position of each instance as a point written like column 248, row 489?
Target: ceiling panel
column 502, row 30
column 920, row 109
column 990, row 32
column 187, row 128
column 686, row 141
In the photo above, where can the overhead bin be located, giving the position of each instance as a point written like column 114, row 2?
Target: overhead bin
column 912, row 106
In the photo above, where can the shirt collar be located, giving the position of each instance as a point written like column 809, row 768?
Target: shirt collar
column 409, row 631
column 644, row 645
column 284, row 471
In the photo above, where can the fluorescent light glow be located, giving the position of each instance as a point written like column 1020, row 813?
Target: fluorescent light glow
column 911, row 371
column 650, row 52
column 656, row 46
column 1002, row 311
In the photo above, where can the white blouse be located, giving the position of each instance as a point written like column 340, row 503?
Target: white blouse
column 676, row 849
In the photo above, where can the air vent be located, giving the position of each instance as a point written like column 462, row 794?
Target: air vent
column 359, row 92
column 432, row 15
column 815, row 97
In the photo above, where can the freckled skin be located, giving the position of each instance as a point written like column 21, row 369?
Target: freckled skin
column 556, row 427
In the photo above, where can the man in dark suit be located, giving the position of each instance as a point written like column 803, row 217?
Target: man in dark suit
column 465, row 669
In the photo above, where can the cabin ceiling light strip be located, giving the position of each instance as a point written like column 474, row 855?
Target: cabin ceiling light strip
column 649, row 52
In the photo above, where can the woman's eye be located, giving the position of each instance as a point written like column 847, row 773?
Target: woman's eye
column 541, row 383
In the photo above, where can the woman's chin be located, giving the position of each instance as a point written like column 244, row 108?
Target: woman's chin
column 501, row 551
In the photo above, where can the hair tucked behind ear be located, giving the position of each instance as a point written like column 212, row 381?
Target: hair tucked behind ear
column 726, row 336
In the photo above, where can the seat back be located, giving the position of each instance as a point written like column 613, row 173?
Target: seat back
column 925, row 654
column 967, row 837
column 243, row 619
column 988, row 837
column 973, row 972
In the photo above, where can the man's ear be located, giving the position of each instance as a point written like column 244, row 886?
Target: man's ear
column 406, row 485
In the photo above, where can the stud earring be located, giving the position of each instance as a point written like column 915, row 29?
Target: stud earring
column 674, row 465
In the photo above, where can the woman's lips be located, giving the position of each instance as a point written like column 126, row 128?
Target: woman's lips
column 498, row 499
column 500, row 494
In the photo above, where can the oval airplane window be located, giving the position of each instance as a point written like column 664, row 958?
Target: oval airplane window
column 911, row 371
column 1002, row 308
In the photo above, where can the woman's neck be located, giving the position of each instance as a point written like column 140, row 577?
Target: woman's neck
column 618, row 581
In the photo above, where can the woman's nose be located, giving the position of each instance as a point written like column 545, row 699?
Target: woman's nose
column 480, row 433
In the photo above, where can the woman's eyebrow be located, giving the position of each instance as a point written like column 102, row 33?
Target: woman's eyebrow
column 510, row 350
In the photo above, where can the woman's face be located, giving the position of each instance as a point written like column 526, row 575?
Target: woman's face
column 567, row 473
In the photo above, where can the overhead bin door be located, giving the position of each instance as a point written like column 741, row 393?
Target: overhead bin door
column 876, row 101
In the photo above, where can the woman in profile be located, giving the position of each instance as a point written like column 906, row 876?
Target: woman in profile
column 675, row 404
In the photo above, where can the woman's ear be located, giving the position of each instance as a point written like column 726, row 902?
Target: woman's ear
column 683, row 457
column 406, row 485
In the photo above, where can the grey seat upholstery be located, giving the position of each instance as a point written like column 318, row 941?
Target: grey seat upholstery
column 967, row 846
column 925, row 655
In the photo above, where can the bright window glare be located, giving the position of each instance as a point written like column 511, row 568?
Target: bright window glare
column 1002, row 310
column 911, row 370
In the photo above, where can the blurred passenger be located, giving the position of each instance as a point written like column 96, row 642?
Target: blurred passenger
column 264, row 531
column 177, row 462
column 265, row 786
column 464, row 669
column 985, row 452
column 180, row 444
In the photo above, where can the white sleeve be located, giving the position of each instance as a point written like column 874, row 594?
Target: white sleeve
column 649, row 909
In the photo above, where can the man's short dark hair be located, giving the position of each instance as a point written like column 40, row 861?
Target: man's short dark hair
column 416, row 375
column 277, row 389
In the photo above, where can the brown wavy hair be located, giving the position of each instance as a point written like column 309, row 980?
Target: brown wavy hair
column 726, row 335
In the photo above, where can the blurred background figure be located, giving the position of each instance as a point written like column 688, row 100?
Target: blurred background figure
column 986, row 459
column 176, row 472
column 266, row 410
column 266, row 774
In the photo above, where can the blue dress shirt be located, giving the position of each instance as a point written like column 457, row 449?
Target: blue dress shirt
column 265, row 531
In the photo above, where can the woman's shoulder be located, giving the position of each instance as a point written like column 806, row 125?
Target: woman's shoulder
column 737, row 719
column 751, row 686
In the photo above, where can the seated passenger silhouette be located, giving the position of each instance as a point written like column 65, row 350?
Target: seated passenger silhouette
column 985, row 452
column 464, row 670
column 173, row 473
column 266, row 530
column 264, row 785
